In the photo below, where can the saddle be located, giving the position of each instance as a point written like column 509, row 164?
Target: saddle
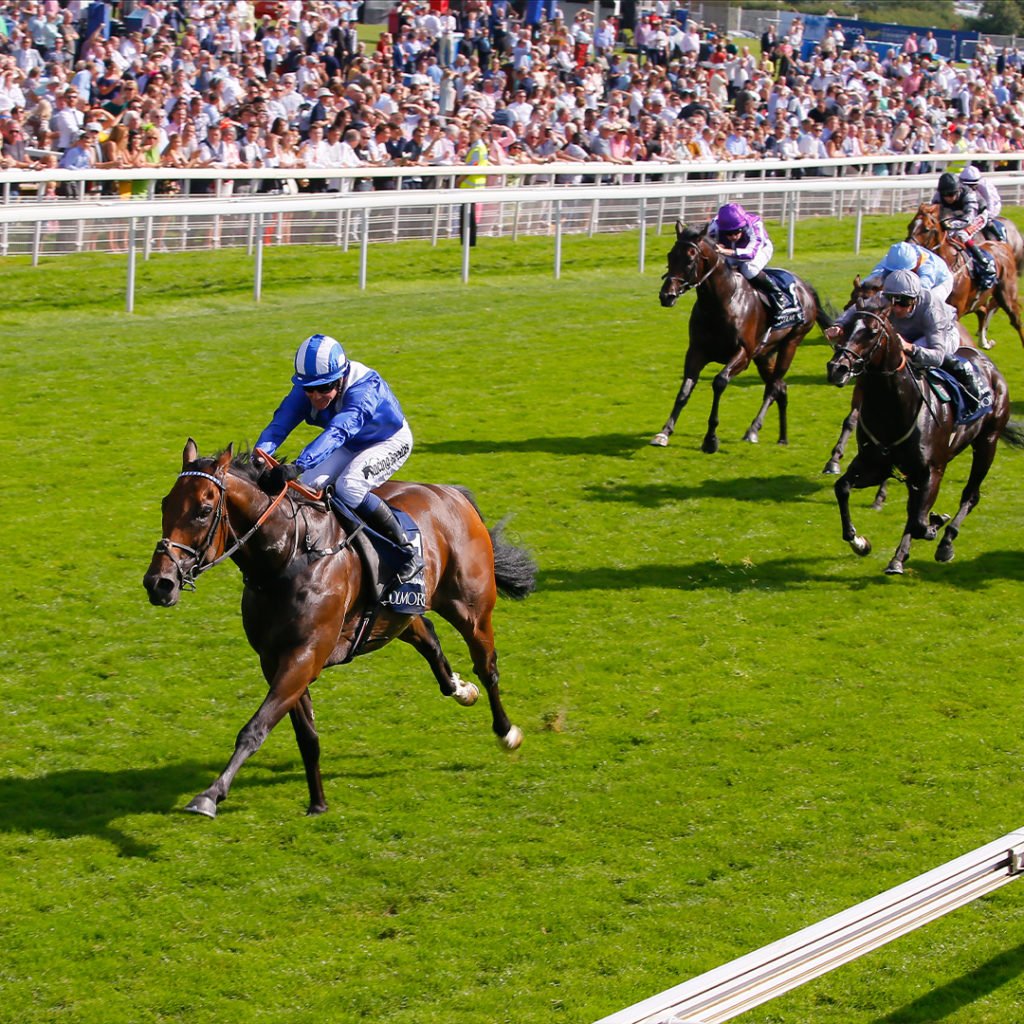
column 381, row 559
column 786, row 283
column 379, row 556
column 948, row 390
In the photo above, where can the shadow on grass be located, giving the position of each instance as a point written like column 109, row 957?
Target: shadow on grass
column 776, row 574
column 88, row 802
column 785, row 487
column 964, row 991
column 600, row 444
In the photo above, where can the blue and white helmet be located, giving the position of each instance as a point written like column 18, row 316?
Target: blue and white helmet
column 902, row 256
column 319, row 360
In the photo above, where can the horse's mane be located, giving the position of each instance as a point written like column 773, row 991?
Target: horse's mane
column 241, row 464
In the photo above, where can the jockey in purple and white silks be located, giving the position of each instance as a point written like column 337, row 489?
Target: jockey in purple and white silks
column 932, row 269
column 929, row 330
column 743, row 240
column 365, row 436
column 970, row 177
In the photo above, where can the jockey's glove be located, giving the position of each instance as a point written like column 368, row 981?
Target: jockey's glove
column 278, row 477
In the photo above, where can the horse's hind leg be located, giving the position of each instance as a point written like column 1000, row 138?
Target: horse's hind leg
column 981, row 461
column 476, row 630
column 1006, row 296
column 422, row 636
column 309, row 747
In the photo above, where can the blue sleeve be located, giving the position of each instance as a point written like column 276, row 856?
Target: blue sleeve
column 880, row 270
column 358, row 408
column 290, row 413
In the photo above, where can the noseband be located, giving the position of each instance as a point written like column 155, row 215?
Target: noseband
column 187, row 574
column 860, row 361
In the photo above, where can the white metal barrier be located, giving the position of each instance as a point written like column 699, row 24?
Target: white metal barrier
column 669, row 193
column 727, row 991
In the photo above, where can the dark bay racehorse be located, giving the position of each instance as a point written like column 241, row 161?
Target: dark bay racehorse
column 729, row 325
column 306, row 592
column 926, row 229
column 903, row 426
column 866, row 294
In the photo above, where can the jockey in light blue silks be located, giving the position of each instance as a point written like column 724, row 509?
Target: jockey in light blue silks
column 935, row 275
column 365, row 436
column 743, row 241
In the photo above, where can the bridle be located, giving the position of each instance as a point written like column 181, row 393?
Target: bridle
column 860, row 361
column 187, row 574
column 682, row 283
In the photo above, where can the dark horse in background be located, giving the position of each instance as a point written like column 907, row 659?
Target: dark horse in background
column 903, row 426
column 925, row 228
column 309, row 603
column 729, row 325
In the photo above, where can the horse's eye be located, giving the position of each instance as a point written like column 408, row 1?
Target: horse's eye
column 203, row 512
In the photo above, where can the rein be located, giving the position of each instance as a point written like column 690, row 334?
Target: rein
column 684, row 285
column 187, row 576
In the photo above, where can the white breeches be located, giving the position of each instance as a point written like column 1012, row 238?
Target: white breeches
column 355, row 473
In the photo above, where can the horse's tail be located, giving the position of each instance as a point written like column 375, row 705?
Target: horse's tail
column 515, row 572
column 825, row 313
column 1013, row 434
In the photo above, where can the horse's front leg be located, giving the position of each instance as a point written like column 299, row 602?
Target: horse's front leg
column 861, row 473
column 736, row 365
column 849, row 426
column 308, row 740
column 691, row 374
column 921, row 495
column 984, row 314
column 294, row 674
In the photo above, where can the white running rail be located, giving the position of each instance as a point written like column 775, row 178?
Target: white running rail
column 727, row 991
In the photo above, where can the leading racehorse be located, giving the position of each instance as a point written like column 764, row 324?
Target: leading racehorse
column 309, row 602
column 903, row 425
column 925, row 228
column 729, row 324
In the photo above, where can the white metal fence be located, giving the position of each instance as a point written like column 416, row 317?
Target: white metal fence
column 730, row 990
column 641, row 196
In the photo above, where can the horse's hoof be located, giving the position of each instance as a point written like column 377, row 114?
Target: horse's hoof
column 465, row 694
column 877, row 505
column 861, row 546
column 831, row 468
column 944, row 553
column 938, row 519
column 894, row 569
column 512, row 739
column 660, row 440
column 316, row 809
column 751, row 437
column 986, row 343
column 710, row 445
column 202, row 804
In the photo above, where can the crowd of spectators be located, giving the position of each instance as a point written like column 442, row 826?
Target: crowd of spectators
column 240, row 84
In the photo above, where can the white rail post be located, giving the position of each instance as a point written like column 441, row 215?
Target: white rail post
column 558, row 239
column 642, row 256
column 258, row 274
column 132, row 246
column 364, row 248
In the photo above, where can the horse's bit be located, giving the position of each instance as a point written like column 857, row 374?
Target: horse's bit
column 685, row 286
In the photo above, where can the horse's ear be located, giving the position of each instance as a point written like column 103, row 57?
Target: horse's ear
column 225, row 457
column 704, row 230
column 857, row 281
column 190, row 454
column 680, row 228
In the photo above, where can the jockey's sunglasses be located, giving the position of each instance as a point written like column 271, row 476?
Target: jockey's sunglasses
column 322, row 389
column 904, row 301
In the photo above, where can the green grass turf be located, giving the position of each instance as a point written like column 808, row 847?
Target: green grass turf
column 733, row 726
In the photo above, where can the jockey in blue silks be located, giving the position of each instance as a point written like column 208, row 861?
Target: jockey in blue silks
column 365, row 437
column 934, row 272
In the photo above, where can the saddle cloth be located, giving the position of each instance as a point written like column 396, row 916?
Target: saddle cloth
column 948, row 389
column 410, row 597
column 793, row 313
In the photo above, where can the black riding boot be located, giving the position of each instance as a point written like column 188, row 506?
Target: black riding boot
column 986, row 266
column 777, row 301
column 377, row 514
column 972, row 379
